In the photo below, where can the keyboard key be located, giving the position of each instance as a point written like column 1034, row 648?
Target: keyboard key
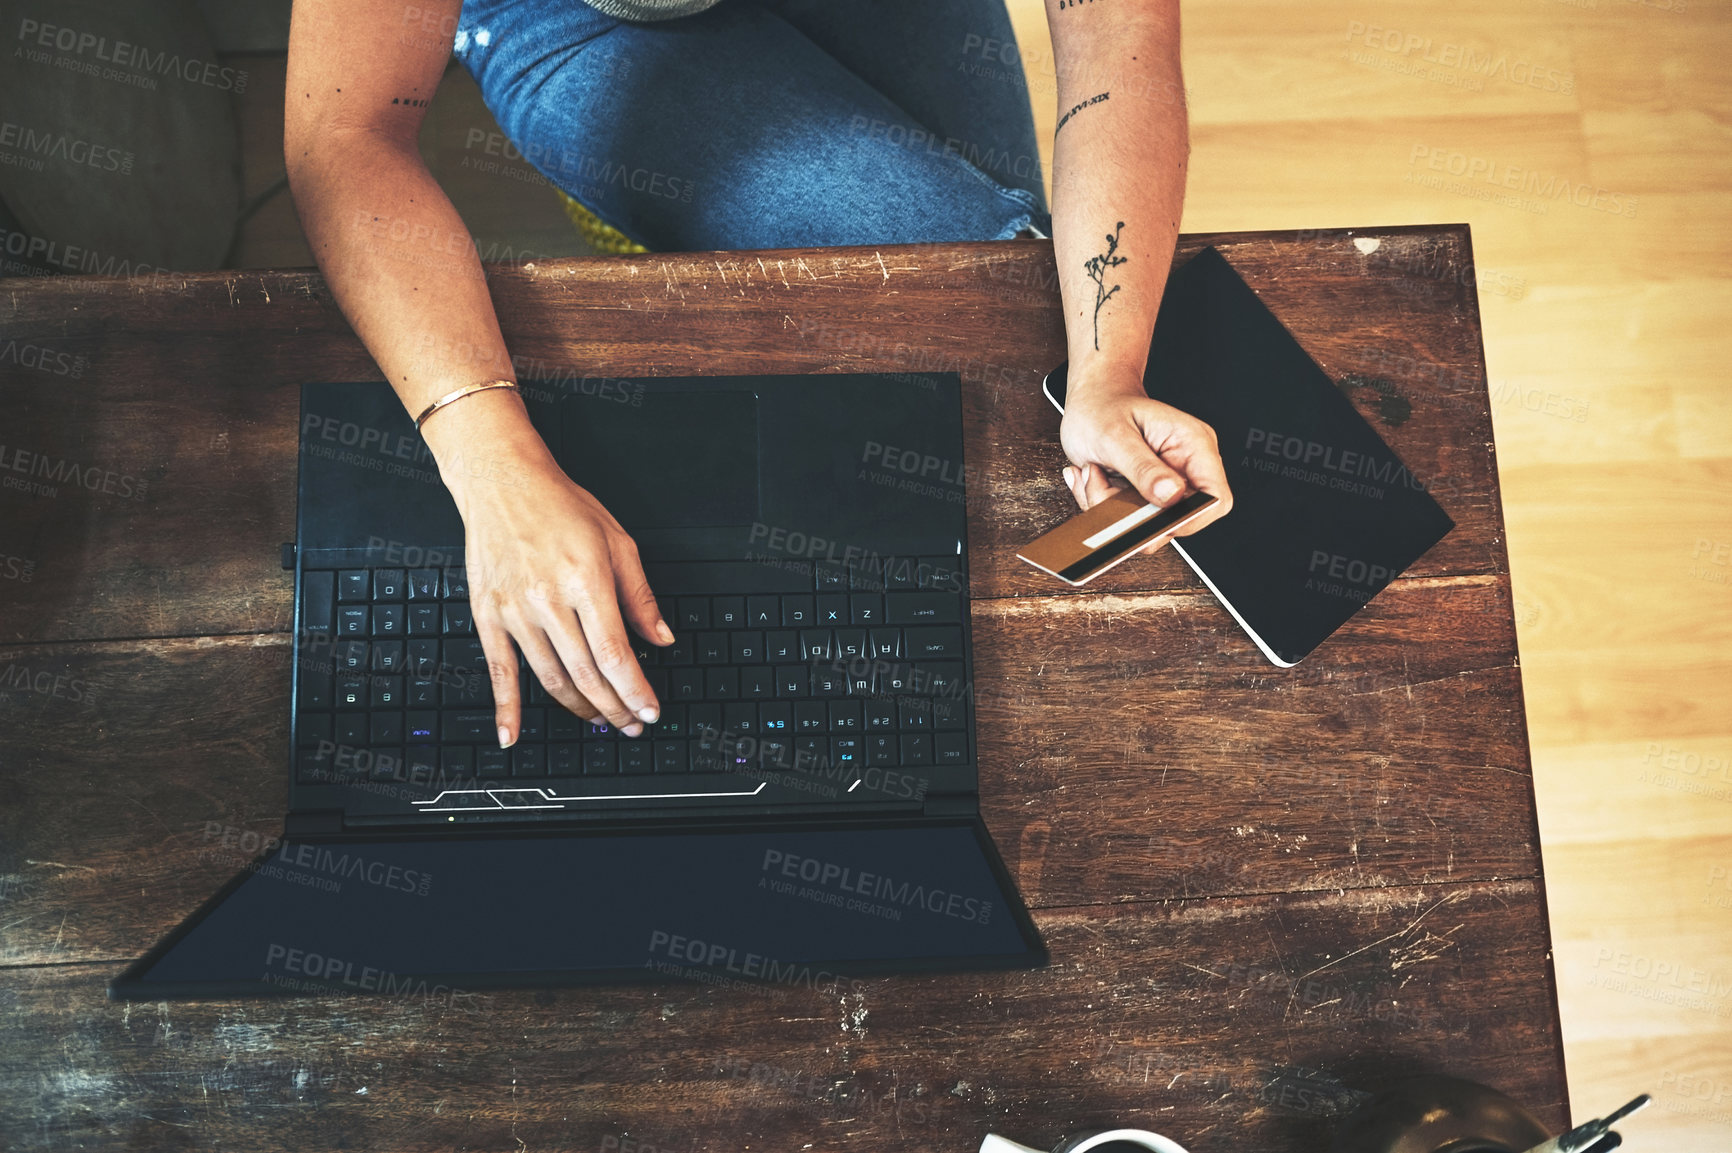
column 423, row 584
column 318, row 591
column 350, row 729
column 899, row 572
column 383, row 764
column 722, row 684
column 763, row 612
column 313, row 687
column 829, row 576
column 891, row 679
column 793, row 681
column 388, row 584
column 311, row 728
column 458, row 620
column 351, row 692
column 845, row 754
column 914, row 714
column 387, row 693
column 939, row 678
column 845, row 717
column 832, row 610
column 920, row 608
column 775, row 717
column 600, row 758
column 950, row 748
column 828, row 681
column 704, row 722
column 349, row 656
column 678, row 653
column 885, row 643
column 694, row 613
column 881, row 749
column 865, row 610
column 421, row 656
column 686, row 684
column 880, row 716
column 387, row 656
column 599, row 731
column 850, row 643
column 811, row 717
column 671, row 724
column 565, row 759
column 386, row 729
column 938, row 641
column 532, row 726
column 728, row 612
column 564, row 725
column 782, row 645
column 492, row 761
column 420, row 764
column 423, row 693
column 421, row 725
column 352, row 620
column 470, row 726
column 352, row 585
column 423, row 620
column 670, row 756
column 457, row 583
column 746, row 647
column 938, row 572
column 757, row 683
column 815, row 644
column 457, row 762
column 741, row 718
column 712, row 648
column 810, row 753
column 916, row 749
column 797, row 612
column 949, row 714
column 859, row 674
column 647, row 655
column 528, row 760
column 636, row 757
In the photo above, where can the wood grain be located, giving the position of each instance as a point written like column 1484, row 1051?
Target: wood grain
column 1230, row 1024
column 181, row 422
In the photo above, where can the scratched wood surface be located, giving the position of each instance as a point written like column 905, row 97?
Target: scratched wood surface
column 1265, row 890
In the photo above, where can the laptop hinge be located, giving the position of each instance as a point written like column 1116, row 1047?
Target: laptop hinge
column 952, row 805
column 313, row 823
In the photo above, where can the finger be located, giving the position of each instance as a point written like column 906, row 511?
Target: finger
column 502, row 671
column 1191, row 448
column 1092, row 482
column 1157, row 481
column 548, row 669
column 1070, row 478
column 608, row 673
column 635, row 597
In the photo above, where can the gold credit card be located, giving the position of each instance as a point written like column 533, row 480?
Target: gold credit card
column 1092, row 542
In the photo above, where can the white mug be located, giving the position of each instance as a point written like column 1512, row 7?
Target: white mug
column 1153, row 1142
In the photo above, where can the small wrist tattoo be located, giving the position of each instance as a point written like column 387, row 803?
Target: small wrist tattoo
column 1096, row 267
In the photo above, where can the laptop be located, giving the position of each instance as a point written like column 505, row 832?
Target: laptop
column 806, row 807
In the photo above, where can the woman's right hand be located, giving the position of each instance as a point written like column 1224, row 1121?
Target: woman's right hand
column 548, row 568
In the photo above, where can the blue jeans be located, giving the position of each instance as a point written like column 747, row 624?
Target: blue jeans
column 770, row 123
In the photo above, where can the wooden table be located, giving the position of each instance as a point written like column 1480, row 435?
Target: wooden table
column 1266, row 891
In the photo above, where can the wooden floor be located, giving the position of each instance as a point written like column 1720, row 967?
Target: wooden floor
column 1604, row 238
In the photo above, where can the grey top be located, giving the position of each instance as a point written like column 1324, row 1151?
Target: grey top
column 649, row 9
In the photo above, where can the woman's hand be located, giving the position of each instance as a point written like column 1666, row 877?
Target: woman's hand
column 548, row 567
column 1111, row 426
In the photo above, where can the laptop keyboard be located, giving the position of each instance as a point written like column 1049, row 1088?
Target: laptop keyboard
column 864, row 668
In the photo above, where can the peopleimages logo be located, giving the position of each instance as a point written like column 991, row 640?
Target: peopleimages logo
column 877, row 886
column 38, row 35
column 37, row 146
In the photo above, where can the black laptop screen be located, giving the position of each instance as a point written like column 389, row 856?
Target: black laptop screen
column 768, row 907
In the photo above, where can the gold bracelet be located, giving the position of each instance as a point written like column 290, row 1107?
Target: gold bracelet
column 459, row 394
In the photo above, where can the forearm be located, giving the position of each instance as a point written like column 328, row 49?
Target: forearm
column 406, row 275
column 1118, row 180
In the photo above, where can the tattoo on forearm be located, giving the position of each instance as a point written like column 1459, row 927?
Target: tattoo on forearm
column 1091, row 100
column 410, row 101
column 1063, row 4
column 1096, row 267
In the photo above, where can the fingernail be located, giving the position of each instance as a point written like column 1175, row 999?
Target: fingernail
column 1070, row 477
column 663, row 633
column 648, row 714
column 632, row 729
column 504, row 737
column 1165, row 489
